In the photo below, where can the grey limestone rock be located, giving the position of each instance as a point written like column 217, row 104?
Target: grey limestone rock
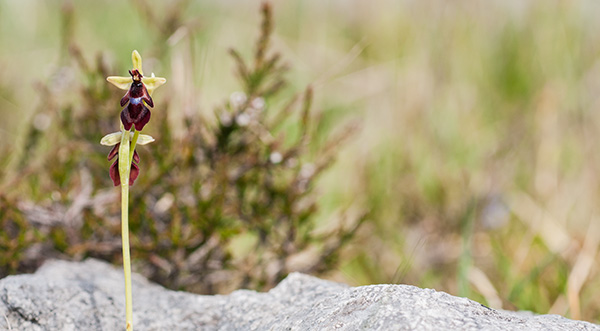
column 89, row 296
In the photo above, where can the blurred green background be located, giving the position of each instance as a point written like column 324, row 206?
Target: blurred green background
column 476, row 158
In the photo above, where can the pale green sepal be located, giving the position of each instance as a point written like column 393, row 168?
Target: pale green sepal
column 136, row 59
column 144, row 139
column 111, row 139
column 114, row 138
column 121, row 82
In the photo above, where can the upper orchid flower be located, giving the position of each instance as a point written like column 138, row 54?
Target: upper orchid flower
column 139, row 91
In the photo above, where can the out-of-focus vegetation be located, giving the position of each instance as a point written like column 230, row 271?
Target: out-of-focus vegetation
column 477, row 156
column 226, row 201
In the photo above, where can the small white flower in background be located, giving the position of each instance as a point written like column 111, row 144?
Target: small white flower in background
column 307, row 170
column 62, row 79
column 275, row 157
column 225, row 118
column 205, row 191
column 41, row 122
column 164, row 203
column 243, row 119
column 237, row 99
column 495, row 213
column 55, row 196
column 258, row 103
column 251, row 112
column 291, row 162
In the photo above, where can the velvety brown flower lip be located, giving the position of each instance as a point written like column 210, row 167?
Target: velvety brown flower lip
column 114, row 168
column 136, row 113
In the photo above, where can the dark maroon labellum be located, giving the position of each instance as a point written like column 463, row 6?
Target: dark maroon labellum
column 136, row 113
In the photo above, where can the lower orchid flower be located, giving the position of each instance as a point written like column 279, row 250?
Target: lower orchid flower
column 114, row 168
column 114, row 139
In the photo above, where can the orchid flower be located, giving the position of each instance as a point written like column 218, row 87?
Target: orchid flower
column 114, row 139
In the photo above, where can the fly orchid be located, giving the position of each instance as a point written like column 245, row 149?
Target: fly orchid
column 125, row 169
column 114, row 139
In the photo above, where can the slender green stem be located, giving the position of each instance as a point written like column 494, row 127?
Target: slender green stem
column 124, row 169
column 136, row 134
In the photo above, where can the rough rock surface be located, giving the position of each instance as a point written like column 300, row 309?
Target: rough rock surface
column 89, row 296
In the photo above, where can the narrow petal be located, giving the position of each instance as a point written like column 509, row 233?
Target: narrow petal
column 134, row 173
column 121, row 82
column 146, row 96
column 136, row 59
column 113, row 152
column 136, row 157
column 114, row 173
column 144, row 139
column 111, row 139
column 125, row 99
